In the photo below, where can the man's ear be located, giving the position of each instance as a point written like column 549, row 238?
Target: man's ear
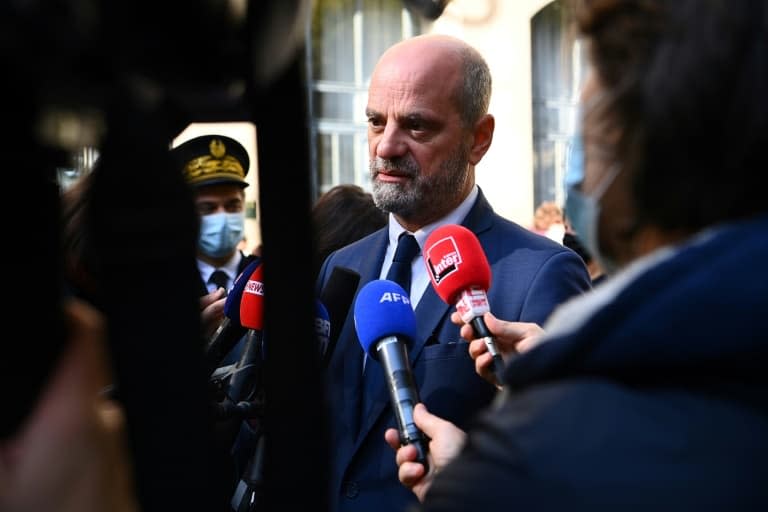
column 482, row 135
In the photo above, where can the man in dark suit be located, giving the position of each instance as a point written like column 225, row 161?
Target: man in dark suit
column 428, row 127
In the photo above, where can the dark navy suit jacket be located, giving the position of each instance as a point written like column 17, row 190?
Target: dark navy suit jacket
column 531, row 275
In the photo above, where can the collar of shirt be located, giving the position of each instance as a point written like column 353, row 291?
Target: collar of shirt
column 230, row 268
column 419, row 277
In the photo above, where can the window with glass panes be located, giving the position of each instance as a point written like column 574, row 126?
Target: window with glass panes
column 346, row 38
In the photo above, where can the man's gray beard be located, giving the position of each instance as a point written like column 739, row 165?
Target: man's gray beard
column 424, row 196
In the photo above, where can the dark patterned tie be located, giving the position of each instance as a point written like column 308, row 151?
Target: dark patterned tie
column 220, row 279
column 400, row 271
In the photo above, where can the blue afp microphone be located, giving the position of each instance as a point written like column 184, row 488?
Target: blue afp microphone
column 386, row 326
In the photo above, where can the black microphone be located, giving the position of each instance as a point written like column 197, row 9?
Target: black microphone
column 386, row 326
column 245, row 389
column 230, row 331
column 337, row 297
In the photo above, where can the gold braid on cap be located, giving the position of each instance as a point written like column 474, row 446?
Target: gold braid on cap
column 216, row 165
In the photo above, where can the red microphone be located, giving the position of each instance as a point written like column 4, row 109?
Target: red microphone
column 252, row 302
column 460, row 275
column 246, row 379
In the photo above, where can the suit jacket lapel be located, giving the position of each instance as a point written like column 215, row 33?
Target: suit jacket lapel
column 480, row 217
column 429, row 313
column 431, row 308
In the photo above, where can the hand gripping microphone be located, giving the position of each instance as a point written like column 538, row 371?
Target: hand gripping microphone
column 460, row 275
column 386, row 325
column 230, row 330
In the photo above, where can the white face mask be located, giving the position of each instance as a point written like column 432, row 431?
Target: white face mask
column 583, row 210
column 220, row 233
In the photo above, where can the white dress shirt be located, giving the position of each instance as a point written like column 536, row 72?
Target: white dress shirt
column 419, row 276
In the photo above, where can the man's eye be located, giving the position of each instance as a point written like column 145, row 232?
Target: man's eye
column 416, row 124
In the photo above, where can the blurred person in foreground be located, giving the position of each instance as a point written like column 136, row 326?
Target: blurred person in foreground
column 72, row 453
column 574, row 175
column 647, row 393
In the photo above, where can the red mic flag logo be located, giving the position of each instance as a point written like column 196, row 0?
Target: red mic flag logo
column 443, row 259
column 255, row 284
column 455, row 261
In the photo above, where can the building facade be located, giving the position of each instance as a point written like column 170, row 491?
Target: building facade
column 536, row 63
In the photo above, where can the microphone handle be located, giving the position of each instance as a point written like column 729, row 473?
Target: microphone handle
column 221, row 342
column 481, row 331
column 393, row 355
column 247, row 374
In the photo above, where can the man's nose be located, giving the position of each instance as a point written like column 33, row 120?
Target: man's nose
column 391, row 143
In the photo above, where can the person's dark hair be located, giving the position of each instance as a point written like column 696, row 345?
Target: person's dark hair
column 691, row 100
column 342, row 215
column 474, row 94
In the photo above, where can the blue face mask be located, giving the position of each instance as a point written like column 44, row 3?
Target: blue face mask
column 581, row 209
column 220, row 233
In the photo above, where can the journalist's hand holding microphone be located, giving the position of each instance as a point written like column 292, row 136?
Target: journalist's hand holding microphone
column 446, row 440
column 511, row 338
column 212, row 310
column 491, row 343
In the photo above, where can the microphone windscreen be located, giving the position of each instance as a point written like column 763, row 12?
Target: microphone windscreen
column 322, row 326
column 235, row 295
column 337, row 297
column 382, row 308
column 455, row 262
column 252, row 303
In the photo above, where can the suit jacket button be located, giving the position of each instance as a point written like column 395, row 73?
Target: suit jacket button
column 351, row 489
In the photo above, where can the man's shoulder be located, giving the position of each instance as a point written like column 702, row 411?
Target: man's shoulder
column 522, row 256
column 361, row 246
column 510, row 235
